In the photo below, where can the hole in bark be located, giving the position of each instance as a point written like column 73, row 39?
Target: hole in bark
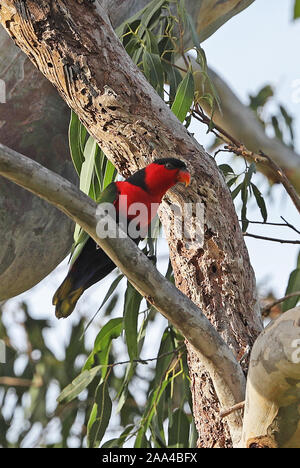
column 112, row 108
column 83, row 92
column 50, row 65
column 214, row 269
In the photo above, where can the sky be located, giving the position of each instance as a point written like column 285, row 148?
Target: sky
column 257, row 47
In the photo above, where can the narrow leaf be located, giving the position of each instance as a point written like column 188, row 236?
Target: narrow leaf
column 110, row 331
column 100, row 416
column 179, row 430
column 78, row 385
column 75, row 129
column 260, row 202
column 184, row 97
column 88, row 165
column 236, row 191
column 131, row 310
column 154, row 71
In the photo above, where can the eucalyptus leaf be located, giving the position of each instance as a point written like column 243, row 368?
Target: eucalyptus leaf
column 184, row 97
column 78, row 385
column 75, row 141
column 132, row 304
column 100, row 416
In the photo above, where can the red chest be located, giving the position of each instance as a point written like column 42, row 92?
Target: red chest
column 135, row 202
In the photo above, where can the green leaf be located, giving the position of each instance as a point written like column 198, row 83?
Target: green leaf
column 110, row 174
column 260, row 202
column 194, row 34
column 120, row 441
column 184, row 97
column 277, row 129
column 152, row 11
column 151, row 43
column 174, row 79
column 261, row 98
column 100, row 164
column 293, row 286
column 154, row 71
column 141, row 440
column 109, row 332
column 232, row 181
column 179, row 430
column 100, row 416
column 249, row 174
column 297, row 9
column 78, row 385
column 236, row 191
column 109, row 293
column 75, row 141
column 87, row 169
column 288, row 121
column 132, row 304
column 165, row 349
column 226, row 169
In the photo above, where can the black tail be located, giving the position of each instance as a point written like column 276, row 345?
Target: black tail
column 91, row 266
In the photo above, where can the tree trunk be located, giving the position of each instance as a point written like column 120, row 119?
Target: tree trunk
column 272, row 418
column 76, row 48
column 18, row 261
column 33, row 120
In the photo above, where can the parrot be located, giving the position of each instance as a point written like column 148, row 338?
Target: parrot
column 147, row 186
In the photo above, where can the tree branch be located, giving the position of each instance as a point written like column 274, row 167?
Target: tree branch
column 271, row 417
column 263, row 159
column 239, row 121
column 226, row 373
column 77, row 50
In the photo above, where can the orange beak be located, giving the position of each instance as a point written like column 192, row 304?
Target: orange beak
column 184, row 176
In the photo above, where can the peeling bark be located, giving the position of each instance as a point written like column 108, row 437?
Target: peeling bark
column 272, row 418
column 76, row 49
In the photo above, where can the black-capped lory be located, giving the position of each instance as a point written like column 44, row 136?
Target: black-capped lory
column 146, row 186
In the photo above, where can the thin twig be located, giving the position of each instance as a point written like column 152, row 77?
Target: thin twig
column 265, row 311
column 228, row 411
column 271, row 239
column 239, row 149
column 174, row 65
column 200, row 115
column 265, row 223
column 289, row 225
column 284, row 180
column 145, row 361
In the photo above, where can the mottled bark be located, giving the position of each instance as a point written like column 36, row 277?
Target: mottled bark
column 27, row 120
column 272, row 418
column 225, row 371
column 75, row 47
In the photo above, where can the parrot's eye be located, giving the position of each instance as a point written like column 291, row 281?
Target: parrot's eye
column 169, row 165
